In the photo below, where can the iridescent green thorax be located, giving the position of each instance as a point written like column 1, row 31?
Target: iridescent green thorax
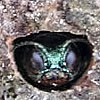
column 54, row 58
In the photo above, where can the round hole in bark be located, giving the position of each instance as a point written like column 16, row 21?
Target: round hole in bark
column 52, row 60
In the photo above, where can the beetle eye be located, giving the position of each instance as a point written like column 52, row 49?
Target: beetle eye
column 77, row 57
column 71, row 58
column 29, row 59
column 37, row 61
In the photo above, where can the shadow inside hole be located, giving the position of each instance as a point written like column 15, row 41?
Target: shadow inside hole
column 24, row 46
